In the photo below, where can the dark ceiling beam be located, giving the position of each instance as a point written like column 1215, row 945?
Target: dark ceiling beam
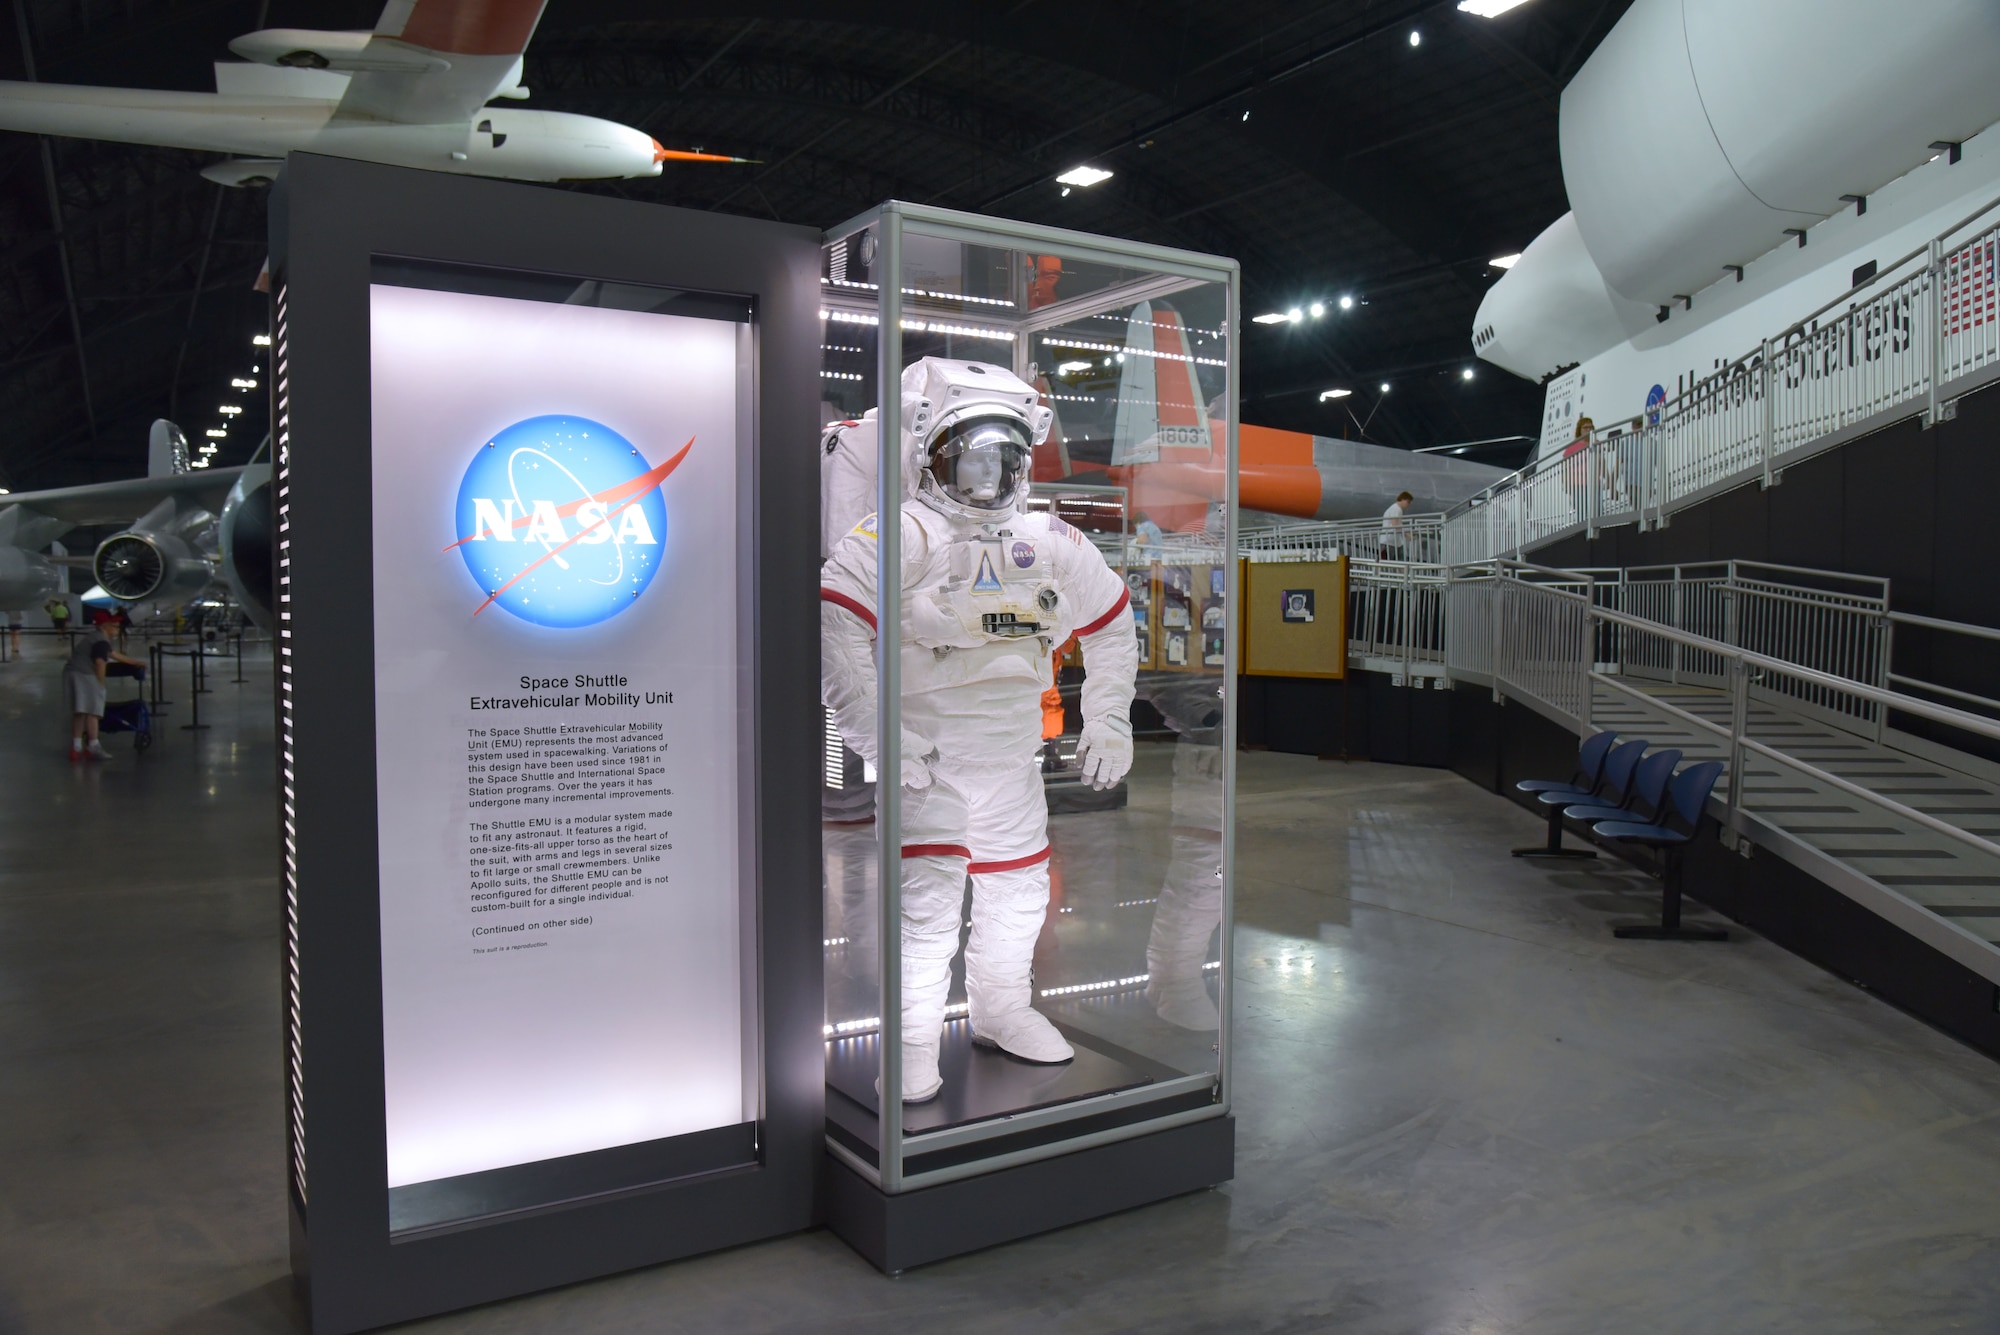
column 56, row 225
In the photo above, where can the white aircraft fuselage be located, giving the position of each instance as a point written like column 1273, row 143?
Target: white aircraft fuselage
column 510, row 142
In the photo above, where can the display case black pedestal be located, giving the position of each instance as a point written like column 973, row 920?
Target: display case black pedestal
column 912, row 1228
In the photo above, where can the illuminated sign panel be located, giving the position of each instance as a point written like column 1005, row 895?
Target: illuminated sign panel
column 558, row 721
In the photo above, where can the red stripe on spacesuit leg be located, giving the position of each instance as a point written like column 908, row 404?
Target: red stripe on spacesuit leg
column 1011, row 864
column 941, row 851
column 842, row 600
column 1124, row 599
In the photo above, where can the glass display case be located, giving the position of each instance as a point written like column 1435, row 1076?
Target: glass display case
column 1028, row 765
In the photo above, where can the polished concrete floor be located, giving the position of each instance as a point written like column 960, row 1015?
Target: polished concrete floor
column 1463, row 1107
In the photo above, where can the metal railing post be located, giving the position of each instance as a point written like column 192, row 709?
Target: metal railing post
column 1588, row 685
column 1409, row 609
column 1739, row 723
column 1679, row 623
column 1885, row 665
column 1591, row 473
column 1768, row 426
column 1934, row 332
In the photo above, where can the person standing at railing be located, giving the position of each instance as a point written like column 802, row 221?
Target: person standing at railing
column 1392, row 527
column 1576, row 468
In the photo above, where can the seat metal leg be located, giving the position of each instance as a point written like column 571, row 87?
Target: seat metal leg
column 1670, row 927
column 1554, row 847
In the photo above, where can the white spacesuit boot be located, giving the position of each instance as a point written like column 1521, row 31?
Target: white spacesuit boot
column 1008, row 908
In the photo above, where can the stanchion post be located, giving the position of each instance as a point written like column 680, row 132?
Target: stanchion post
column 194, row 722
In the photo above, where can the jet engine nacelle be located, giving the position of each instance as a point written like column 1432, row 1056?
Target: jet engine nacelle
column 248, row 549
column 143, row 566
column 26, row 579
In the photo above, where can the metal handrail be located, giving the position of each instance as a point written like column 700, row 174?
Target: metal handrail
column 1893, row 699
column 1741, row 667
column 1806, row 767
column 1956, row 627
column 1866, row 367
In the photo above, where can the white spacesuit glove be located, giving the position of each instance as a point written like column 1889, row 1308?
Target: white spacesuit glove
column 1104, row 752
column 918, row 753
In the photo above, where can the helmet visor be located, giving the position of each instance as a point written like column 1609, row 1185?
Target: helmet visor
column 982, row 463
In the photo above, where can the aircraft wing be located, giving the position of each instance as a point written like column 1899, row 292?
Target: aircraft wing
column 123, row 501
column 432, row 62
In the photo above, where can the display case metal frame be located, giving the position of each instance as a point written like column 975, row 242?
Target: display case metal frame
column 1182, row 1149
column 330, row 219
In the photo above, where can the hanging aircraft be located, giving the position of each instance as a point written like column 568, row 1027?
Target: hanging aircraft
column 183, row 529
column 412, row 93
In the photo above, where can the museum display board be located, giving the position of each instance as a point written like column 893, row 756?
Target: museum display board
column 1044, row 981
column 552, row 938
column 1297, row 621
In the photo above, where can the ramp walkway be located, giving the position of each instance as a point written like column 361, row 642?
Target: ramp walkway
column 1786, row 676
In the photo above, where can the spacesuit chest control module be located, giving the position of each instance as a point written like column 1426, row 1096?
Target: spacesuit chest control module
column 989, row 591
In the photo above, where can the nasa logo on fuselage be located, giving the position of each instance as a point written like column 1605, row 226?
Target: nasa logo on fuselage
column 561, row 522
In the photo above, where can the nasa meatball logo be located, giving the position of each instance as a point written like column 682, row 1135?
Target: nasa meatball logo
column 561, row 521
column 1024, row 554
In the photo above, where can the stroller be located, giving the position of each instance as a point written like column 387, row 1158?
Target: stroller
column 128, row 715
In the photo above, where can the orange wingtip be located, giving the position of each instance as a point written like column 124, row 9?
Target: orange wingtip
column 662, row 154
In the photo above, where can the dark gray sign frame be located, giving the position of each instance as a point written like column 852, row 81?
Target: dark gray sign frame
column 330, row 218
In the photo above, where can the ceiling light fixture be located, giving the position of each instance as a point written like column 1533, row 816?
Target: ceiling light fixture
column 1334, row 394
column 1295, row 315
column 1416, row 37
column 1384, row 387
column 260, row 340
column 1488, row 9
column 1268, row 317
column 1505, row 261
column 217, row 433
column 1072, row 368
column 238, row 382
column 1318, row 308
column 1466, row 374
column 1083, row 176
column 230, row 409
column 1347, row 303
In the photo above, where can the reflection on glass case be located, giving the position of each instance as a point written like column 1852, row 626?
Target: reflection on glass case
column 1030, row 457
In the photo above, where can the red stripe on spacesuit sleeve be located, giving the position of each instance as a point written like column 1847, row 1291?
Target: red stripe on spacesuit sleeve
column 1011, row 864
column 942, row 851
column 842, row 600
column 1124, row 598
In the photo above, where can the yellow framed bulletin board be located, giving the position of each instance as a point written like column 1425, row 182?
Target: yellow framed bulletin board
column 1296, row 618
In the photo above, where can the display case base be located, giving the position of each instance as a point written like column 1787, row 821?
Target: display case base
column 913, row 1228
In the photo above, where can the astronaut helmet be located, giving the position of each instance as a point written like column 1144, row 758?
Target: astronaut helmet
column 969, row 436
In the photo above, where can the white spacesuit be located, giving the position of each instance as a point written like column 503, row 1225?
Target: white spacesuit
column 988, row 591
column 847, row 452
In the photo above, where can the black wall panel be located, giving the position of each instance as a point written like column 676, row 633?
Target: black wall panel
column 1398, row 725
